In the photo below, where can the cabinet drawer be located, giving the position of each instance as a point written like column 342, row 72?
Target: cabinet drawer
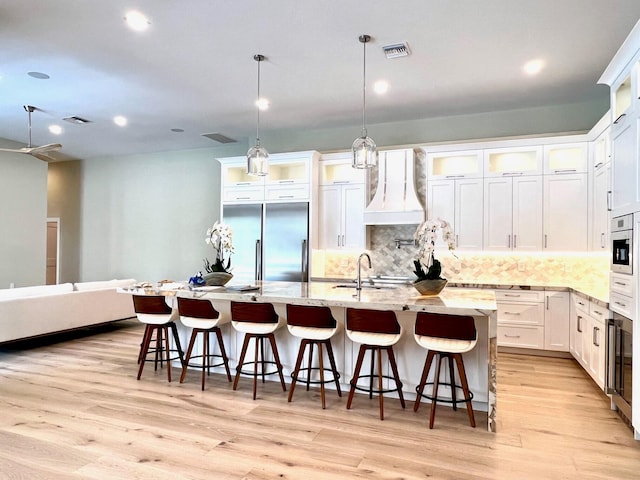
column 598, row 312
column 519, row 296
column 251, row 194
column 287, row 192
column 622, row 305
column 622, row 284
column 521, row 336
column 582, row 304
column 521, row 313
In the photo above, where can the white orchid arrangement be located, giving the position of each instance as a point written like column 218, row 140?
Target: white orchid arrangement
column 220, row 237
column 425, row 237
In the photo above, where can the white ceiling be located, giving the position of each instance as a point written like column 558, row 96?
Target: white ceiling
column 193, row 68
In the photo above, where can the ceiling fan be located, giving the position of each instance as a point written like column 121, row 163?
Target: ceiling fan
column 38, row 152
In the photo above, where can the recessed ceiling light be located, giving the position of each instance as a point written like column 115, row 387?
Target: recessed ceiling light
column 55, row 129
column 38, row 75
column 381, row 87
column 262, row 103
column 137, row 21
column 533, row 67
column 120, row 120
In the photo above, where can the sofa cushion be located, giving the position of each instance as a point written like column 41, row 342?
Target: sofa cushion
column 103, row 285
column 36, row 291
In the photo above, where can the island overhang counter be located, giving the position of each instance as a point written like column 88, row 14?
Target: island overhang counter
column 404, row 300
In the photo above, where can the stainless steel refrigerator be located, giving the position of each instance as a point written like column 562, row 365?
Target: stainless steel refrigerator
column 270, row 241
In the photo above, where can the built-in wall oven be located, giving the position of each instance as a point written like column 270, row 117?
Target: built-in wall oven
column 622, row 244
column 620, row 360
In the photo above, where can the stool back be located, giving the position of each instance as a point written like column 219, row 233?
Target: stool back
column 194, row 308
column 310, row 316
column 455, row 327
column 253, row 312
column 372, row 321
column 151, row 305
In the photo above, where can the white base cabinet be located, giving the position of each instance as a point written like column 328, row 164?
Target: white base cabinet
column 588, row 337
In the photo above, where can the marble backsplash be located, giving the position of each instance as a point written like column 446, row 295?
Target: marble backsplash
column 476, row 267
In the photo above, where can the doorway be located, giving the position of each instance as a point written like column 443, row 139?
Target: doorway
column 53, row 250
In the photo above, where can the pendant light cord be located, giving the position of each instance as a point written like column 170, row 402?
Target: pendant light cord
column 259, row 60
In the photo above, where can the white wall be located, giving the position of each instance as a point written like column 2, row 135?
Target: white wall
column 146, row 216
column 23, row 219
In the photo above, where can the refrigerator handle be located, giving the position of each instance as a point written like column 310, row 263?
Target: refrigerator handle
column 304, row 267
column 258, row 266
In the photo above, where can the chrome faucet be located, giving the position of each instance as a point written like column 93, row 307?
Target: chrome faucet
column 359, row 278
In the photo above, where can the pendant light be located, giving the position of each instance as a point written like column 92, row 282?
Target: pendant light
column 257, row 156
column 365, row 154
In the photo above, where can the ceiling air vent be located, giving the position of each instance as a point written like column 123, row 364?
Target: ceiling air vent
column 76, row 120
column 218, row 137
column 396, row 50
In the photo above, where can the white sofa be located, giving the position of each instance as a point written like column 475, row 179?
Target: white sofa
column 32, row 311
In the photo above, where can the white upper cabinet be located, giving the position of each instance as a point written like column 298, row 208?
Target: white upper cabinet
column 513, row 161
column 341, row 202
column 290, row 178
column 622, row 75
column 513, row 213
column 566, row 158
column 451, row 165
column 565, row 212
column 460, row 203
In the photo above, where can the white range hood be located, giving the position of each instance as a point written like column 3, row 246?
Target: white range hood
column 395, row 201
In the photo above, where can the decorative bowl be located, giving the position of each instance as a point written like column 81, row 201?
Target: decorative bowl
column 430, row 287
column 217, row 278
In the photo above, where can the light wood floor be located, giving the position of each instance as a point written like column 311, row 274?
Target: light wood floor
column 74, row 409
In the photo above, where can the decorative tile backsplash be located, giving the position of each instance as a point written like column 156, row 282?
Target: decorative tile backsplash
column 481, row 267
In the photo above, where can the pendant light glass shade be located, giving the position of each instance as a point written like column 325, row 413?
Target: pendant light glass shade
column 364, row 150
column 258, row 157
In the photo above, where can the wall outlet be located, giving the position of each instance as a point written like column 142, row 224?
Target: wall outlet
column 12, row 285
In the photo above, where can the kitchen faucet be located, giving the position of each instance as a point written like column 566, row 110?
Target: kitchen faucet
column 358, row 278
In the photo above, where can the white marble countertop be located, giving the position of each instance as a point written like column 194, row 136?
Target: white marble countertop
column 457, row 301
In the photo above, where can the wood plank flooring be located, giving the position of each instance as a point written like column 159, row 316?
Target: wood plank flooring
column 74, row 409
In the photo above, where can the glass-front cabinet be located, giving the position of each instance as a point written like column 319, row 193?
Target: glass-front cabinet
column 451, row 165
column 513, row 161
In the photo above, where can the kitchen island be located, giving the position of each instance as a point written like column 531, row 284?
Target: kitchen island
column 404, row 300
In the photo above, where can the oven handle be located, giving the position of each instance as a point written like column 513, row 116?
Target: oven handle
column 611, row 357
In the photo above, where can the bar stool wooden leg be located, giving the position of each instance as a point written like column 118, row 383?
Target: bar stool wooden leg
column 192, row 342
column 465, row 388
column 321, row 366
column 423, row 379
column 371, row 377
column 274, row 347
column 396, row 375
column 146, row 341
column 436, row 380
column 223, row 353
column 380, row 395
column 334, row 369
column 452, row 376
column 176, row 339
column 243, row 352
column 296, row 369
column 260, row 347
column 356, row 375
column 310, row 365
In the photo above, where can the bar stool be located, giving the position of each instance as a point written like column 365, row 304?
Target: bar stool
column 202, row 318
column 445, row 336
column 314, row 326
column 374, row 330
column 257, row 321
column 158, row 317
